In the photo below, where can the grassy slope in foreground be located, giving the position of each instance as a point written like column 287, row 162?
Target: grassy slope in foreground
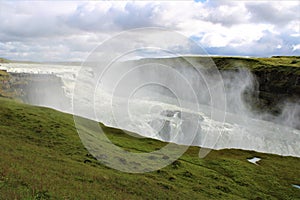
column 42, row 157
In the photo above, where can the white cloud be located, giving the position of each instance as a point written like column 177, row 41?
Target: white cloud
column 42, row 30
column 296, row 47
column 215, row 40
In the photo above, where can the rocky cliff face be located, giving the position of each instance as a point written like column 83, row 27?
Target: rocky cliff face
column 277, row 82
column 278, row 78
column 7, row 87
column 275, row 86
column 33, row 88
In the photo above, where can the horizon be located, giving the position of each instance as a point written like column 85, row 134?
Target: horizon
column 188, row 55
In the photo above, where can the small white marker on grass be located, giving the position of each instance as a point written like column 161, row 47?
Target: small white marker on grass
column 296, row 186
column 254, row 160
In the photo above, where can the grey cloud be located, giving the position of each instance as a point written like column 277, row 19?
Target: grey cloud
column 267, row 13
column 225, row 18
column 136, row 17
column 30, row 20
column 255, row 11
column 132, row 16
column 89, row 20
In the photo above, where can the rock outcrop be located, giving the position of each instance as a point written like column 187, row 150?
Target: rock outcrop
column 33, row 88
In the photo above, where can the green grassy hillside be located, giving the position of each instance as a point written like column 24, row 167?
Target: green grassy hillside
column 283, row 63
column 3, row 60
column 42, row 157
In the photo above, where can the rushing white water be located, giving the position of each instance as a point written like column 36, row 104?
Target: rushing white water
column 166, row 120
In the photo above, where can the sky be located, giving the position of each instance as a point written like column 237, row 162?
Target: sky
column 70, row 30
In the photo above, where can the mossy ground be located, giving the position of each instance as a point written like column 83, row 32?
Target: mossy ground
column 3, row 60
column 253, row 62
column 42, row 157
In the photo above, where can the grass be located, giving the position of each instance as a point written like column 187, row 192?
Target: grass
column 42, row 157
column 287, row 65
column 3, row 74
column 3, row 60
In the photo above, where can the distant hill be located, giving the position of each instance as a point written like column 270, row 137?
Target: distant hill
column 4, row 60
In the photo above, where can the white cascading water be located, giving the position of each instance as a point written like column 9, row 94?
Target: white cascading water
column 161, row 117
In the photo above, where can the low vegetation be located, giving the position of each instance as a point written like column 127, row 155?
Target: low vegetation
column 284, row 63
column 3, row 60
column 42, row 157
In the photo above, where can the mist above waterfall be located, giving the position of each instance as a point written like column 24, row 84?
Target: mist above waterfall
column 144, row 110
column 242, row 94
column 193, row 105
column 289, row 114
